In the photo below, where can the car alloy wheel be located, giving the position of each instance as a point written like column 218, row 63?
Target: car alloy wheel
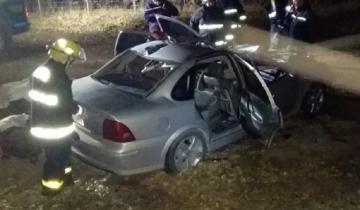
column 188, row 153
column 314, row 101
column 184, row 153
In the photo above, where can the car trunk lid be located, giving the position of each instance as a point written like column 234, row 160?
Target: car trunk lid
column 99, row 102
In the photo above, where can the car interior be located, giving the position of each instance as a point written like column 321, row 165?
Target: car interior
column 214, row 88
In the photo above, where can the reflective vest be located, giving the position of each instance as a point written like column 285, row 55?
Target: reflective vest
column 51, row 102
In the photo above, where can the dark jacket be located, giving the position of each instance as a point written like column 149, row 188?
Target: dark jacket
column 299, row 24
column 206, row 15
column 278, row 11
column 59, row 85
column 229, row 5
column 166, row 9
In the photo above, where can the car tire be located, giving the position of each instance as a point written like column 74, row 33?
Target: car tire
column 313, row 101
column 185, row 152
column 249, row 128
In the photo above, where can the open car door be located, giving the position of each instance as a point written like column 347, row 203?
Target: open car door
column 177, row 30
column 260, row 115
column 128, row 39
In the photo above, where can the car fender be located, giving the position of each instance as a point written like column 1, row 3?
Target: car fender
column 186, row 129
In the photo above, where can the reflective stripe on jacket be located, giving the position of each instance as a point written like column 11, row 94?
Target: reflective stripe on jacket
column 51, row 101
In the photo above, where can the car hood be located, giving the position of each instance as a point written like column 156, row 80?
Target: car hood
column 107, row 98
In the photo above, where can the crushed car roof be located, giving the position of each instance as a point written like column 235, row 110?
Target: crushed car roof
column 161, row 50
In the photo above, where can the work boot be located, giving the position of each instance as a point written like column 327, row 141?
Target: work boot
column 68, row 180
column 51, row 187
column 49, row 192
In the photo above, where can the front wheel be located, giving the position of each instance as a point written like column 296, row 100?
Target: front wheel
column 314, row 101
column 184, row 153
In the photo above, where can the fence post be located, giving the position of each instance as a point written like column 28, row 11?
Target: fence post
column 39, row 7
column 87, row 7
column 134, row 5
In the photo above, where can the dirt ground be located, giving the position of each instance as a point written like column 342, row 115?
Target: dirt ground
column 313, row 164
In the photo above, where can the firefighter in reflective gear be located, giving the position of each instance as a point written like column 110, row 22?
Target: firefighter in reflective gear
column 52, row 107
column 208, row 17
column 233, row 10
column 298, row 24
column 276, row 13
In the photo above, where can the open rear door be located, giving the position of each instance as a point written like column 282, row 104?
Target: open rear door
column 260, row 115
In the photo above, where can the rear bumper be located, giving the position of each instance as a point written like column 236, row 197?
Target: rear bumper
column 122, row 159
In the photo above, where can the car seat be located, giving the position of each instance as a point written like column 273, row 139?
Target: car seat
column 206, row 98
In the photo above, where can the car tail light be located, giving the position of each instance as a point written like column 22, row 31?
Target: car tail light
column 117, row 132
column 26, row 8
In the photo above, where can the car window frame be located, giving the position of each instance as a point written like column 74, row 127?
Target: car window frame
column 259, row 78
column 207, row 60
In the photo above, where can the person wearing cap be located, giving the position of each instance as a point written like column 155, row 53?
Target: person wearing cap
column 51, row 112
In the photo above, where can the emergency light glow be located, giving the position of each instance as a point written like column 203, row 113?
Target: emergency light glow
column 243, row 17
column 272, row 15
column 42, row 73
column 229, row 37
column 52, row 133
column 47, row 99
column 230, row 11
column 210, row 26
column 53, row 184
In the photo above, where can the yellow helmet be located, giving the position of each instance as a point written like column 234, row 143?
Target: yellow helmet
column 63, row 50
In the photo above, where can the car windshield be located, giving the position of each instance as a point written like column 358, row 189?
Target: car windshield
column 134, row 72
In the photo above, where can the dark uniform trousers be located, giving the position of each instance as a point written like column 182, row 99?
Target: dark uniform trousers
column 57, row 159
column 299, row 25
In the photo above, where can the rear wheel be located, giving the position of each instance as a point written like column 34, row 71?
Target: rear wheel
column 314, row 101
column 184, row 153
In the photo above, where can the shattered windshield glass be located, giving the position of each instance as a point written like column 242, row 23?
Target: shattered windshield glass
column 134, row 71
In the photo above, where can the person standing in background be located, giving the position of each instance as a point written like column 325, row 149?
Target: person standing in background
column 276, row 10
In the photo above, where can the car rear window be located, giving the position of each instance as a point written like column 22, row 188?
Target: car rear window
column 132, row 70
